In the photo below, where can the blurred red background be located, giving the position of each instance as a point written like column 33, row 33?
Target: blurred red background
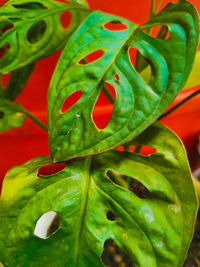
column 20, row 145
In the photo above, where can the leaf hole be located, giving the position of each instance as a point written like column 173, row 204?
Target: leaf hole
column 71, row 101
column 160, row 32
column 115, row 25
column 47, row 225
column 2, row 114
column 113, row 256
column 7, row 28
column 111, row 216
column 29, row 6
column 94, row 56
column 129, row 183
column 142, row 66
column 36, row 32
column 107, row 96
column 5, row 78
column 138, row 189
column 65, row 19
column 116, row 77
column 147, row 151
column 3, row 51
column 49, row 170
column 132, row 52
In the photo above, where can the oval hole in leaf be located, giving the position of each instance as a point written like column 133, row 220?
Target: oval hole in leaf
column 103, row 100
column 5, row 78
column 132, row 52
column 3, row 51
column 120, row 148
column 71, row 101
column 160, row 32
column 115, row 25
column 144, row 68
column 2, row 114
column 94, row 56
column 111, row 216
column 116, row 77
column 139, row 189
column 113, row 256
column 29, row 6
column 129, row 183
column 147, row 151
column 36, row 32
column 47, row 225
column 49, row 170
column 65, row 19
column 7, row 28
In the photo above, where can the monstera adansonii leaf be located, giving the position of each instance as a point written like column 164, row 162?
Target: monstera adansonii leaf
column 33, row 29
column 138, row 103
column 154, row 230
column 10, row 117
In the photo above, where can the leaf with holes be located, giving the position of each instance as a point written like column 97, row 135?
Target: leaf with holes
column 34, row 29
column 48, row 211
column 10, row 117
column 13, row 83
column 99, row 54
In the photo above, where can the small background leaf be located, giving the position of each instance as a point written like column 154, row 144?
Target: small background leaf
column 9, row 116
column 32, row 29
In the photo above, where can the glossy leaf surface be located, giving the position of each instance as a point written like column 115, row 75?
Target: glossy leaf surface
column 153, row 231
column 138, row 103
column 32, row 29
column 9, row 117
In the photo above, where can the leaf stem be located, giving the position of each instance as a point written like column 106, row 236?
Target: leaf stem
column 152, row 8
column 157, row 6
column 32, row 117
column 179, row 104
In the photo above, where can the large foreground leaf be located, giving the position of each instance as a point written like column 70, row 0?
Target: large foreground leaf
column 153, row 231
column 138, row 103
column 10, row 117
column 32, row 29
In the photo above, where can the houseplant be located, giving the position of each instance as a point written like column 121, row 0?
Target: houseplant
column 87, row 199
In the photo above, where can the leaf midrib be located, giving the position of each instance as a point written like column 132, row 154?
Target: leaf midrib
column 84, row 208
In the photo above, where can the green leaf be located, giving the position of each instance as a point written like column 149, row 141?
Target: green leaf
column 194, row 78
column 154, row 230
column 138, row 103
column 32, row 29
column 10, row 117
column 17, row 82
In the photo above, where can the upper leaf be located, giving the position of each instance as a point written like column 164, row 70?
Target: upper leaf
column 154, row 231
column 9, row 116
column 138, row 103
column 32, row 29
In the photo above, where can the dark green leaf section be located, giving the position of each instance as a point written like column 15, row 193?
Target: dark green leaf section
column 138, row 103
column 17, row 82
column 32, row 29
column 9, row 116
column 153, row 231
